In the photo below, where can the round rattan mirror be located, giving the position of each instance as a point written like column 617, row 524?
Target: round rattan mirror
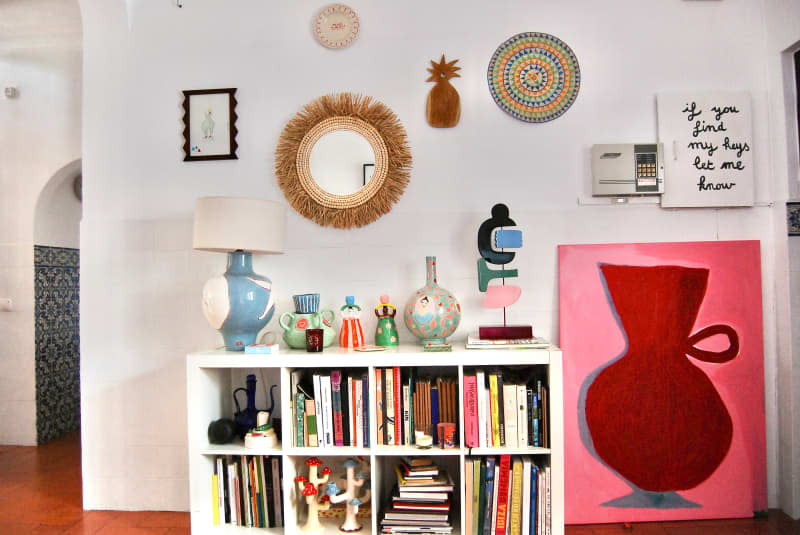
column 311, row 134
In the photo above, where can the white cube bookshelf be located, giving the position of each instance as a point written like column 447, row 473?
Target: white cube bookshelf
column 213, row 375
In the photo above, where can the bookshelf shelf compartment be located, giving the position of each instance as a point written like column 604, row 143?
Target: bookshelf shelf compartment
column 213, row 375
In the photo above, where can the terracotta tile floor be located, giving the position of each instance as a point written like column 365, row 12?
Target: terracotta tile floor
column 40, row 493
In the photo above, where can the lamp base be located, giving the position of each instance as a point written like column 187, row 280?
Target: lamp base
column 239, row 303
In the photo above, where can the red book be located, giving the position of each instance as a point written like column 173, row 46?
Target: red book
column 336, row 398
column 502, row 495
column 421, row 506
column 471, row 411
column 398, row 417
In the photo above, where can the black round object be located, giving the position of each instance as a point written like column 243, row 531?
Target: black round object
column 221, row 431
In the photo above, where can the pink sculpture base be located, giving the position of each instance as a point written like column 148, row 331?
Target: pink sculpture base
column 491, row 332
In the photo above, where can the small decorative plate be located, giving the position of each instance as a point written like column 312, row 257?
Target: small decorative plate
column 534, row 77
column 336, row 26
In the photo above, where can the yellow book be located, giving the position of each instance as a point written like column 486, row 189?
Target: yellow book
column 215, row 498
column 516, row 497
column 495, row 410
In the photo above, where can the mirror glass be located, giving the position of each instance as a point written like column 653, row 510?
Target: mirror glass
column 342, row 162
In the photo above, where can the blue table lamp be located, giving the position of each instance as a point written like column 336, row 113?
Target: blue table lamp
column 238, row 303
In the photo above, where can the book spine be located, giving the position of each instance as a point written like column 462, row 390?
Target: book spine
column 253, row 492
column 525, row 528
column 535, row 419
column 529, row 422
column 435, row 413
column 269, row 492
column 365, row 408
column 479, row 490
column 522, row 417
column 470, row 511
column 539, row 414
column 406, row 418
column 276, row 491
column 495, row 410
column 318, row 409
column 411, row 408
column 480, row 384
column 398, row 429
column 221, row 490
column 244, row 481
column 534, row 500
column 310, row 430
column 232, row 499
column 510, row 413
column 502, row 495
column 345, row 396
column 215, row 498
column 494, row 496
column 471, row 411
column 336, row 400
column 548, row 503
column 381, row 423
column 260, row 488
column 516, row 498
column 501, row 416
column 487, row 509
column 226, row 490
column 544, row 416
column 299, row 411
column 359, row 411
column 389, row 408
column 352, row 392
column 327, row 413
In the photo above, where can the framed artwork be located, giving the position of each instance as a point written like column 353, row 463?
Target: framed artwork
column 209, row 124
column 663, row 381
column 793, row 218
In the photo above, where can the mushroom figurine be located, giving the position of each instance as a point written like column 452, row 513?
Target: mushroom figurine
column 313, row 464
column 350, row 495
column 313, row 523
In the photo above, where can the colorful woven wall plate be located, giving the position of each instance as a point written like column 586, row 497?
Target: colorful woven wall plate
column 534, row 77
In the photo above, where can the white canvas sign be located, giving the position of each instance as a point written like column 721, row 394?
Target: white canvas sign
column 708, row 148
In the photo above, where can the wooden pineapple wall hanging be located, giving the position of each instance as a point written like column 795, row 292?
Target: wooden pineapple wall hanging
column 443, row 108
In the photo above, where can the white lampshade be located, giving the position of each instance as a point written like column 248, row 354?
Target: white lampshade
column 223, row 224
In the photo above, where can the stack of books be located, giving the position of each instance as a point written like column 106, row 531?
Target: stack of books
column 474, row 342
column 507, row 495
column 504, row 408
column 421, row 500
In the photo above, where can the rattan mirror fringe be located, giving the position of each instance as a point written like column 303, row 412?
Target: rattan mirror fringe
column 366, row 116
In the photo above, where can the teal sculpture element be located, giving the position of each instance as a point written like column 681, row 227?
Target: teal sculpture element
column 432, row 313
column 386, row 330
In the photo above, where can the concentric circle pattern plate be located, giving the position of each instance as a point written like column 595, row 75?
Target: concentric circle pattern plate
column 534, row 77
column 336, row 26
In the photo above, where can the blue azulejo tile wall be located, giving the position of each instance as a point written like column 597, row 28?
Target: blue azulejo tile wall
column 57, row 341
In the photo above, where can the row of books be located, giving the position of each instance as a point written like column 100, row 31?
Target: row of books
column 330, row 409
column 507, row 496
column 505, row 410
column 406, row 403
column 420, row 502
column 247, row 491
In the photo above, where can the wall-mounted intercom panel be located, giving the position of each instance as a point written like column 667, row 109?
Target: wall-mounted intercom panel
column 628, row 169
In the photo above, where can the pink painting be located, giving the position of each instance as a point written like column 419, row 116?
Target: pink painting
column 663, row 381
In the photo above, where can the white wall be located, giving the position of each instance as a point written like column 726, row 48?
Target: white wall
column 140, row 308
column 40, row 54
column 57, row 215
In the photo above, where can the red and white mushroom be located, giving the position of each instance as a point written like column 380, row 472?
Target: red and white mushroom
column 309, row 490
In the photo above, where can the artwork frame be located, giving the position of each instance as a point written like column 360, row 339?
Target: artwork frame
column 793, row 218
column 214, row 140
column 604, row 316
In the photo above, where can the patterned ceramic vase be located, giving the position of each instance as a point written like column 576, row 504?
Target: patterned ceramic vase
column 432, row 313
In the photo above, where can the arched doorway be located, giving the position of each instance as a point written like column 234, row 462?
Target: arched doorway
column 57, row 297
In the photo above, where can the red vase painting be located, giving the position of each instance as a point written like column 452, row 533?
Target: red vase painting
column 663, row 361
column 654, row 382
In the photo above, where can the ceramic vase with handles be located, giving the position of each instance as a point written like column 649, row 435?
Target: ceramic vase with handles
column 432, row 313
column 294, row 326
